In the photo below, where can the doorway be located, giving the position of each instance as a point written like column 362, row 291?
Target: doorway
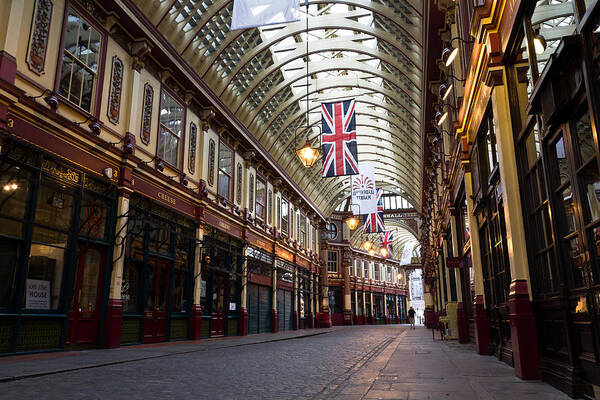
column 84, row 314
column 218, row 311
column 155, row 307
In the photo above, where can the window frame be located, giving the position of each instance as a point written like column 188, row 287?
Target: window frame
column 330, row 261
column 97, row 96
column 261, row 216
column 180, row 148
column 218, row 162
column 285, row 232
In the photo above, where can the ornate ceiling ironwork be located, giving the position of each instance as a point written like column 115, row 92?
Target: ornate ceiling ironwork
column 367, row 49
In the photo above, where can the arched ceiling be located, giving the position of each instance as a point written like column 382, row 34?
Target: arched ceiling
column 370, row 50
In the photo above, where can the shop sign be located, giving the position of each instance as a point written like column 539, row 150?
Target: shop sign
column 38, row 295
column 148, row 189
column 224, row 226
column 284, row 254
column 231, row 306
column 258, row 242
column 454, row 262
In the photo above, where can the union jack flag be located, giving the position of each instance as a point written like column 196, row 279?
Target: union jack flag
column 373, row 222
column 338, row 140
column 386, row 240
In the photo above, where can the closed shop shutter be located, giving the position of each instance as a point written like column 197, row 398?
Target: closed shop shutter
column 252, row 308
column 285, row 310
column 259, row 309
column 265, row 306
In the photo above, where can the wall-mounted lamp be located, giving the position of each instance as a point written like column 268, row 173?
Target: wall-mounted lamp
column 540, row 44
column 449, row 53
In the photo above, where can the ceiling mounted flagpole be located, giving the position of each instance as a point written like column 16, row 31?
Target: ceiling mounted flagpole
column 307, row 154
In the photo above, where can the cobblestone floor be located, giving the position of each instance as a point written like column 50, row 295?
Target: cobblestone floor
column 367, row 362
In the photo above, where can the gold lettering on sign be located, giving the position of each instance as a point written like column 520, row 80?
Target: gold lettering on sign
column 224, row 225
column 10, row 123
column 167, row 198
column 60, row 171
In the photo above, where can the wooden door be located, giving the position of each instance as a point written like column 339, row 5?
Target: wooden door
column 155, row 308
column 218, row 306
column 87, row 296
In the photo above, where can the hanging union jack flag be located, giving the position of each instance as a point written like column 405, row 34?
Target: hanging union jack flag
column 338, row 140
column 386, row 241
column 373, row 222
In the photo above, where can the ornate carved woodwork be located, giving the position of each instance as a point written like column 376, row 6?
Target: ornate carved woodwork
column 211, row 162
column 147, row 113
column 116, row 87
column 238, row 188
column 192, row 150
column 38, row 40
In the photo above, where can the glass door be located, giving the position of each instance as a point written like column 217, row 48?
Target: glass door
column 155, row 308
column 218, row 311
column 87, row 296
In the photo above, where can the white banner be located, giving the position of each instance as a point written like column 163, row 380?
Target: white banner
column 406, row 255
column 364, row 195
column 253, row 13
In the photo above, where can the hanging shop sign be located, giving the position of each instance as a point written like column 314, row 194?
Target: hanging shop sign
column 286, row 255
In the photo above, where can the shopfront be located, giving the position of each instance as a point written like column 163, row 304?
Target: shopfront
column 56, row 234
column 156, row 290
column 391, row 308
column 221, row 276
column 304, row 298
column 379, row 308
column 360, row 308
column 260, row 290
column 285, row 294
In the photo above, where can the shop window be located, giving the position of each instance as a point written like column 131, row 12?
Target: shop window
column 44, row 277
column 284, row 216
column 81, row 57
column 260, row 198
column 130, row 286
column 182, row 271
column 170, row 129
column 225, row 171
column 14, row 191
column 332, row 259
column 562, row 164
column 584, row 137
column 591, row 185
column 92, row 218
column 9, row 252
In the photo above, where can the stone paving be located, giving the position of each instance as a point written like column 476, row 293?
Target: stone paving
column 364, row 362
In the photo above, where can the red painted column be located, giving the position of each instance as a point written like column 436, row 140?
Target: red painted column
column 463, row 335
column 112, row 324
column 523, row 332
column 275, row 321
column 243, row 322
column 482, row 343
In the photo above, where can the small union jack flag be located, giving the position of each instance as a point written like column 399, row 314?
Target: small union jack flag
column 387, row 241
column 338, row 140
column 373, row 222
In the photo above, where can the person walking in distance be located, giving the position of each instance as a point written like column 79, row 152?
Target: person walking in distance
column 411, row 317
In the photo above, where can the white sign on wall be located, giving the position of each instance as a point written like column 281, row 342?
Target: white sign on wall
column 38, row 295
column 364, row 194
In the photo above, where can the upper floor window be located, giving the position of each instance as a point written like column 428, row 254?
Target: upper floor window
column 261, row 197
column 366, row 269
column 389, row 274
column 170, row 131
column 376, row 272
column 285, row 208
column 81, row 57
column 225, row 171
column 357, row 271
column 332, row 261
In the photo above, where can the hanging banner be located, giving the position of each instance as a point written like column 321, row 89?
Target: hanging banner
column 253, row 13
column 364, row 197
column 338, row 140
column 373, row 222
column 406, row 255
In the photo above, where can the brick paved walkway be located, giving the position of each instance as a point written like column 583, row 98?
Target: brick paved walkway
column 365, row 362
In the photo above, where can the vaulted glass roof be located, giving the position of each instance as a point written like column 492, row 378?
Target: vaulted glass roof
column 362, row 49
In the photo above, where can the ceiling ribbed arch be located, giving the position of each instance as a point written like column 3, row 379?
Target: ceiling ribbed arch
column 367, row 49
